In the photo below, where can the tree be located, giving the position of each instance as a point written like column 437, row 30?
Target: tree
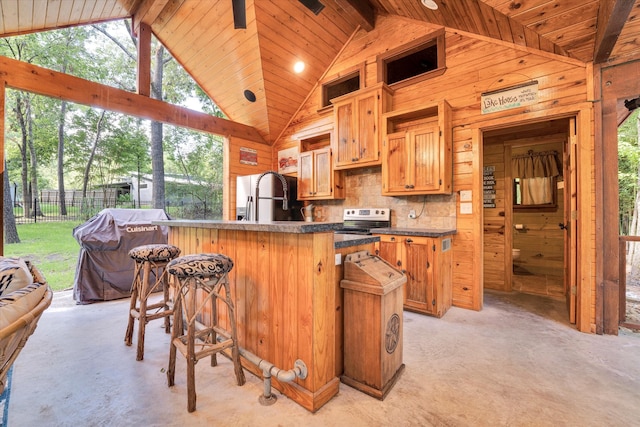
column 157, row 151
column 628, row 184
column 10, row 229
column 33, row 114
column 48, row 132
column 92, row 154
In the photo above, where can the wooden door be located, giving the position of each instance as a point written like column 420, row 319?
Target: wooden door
column 425, row 150
column 305, row 175
column 396, row 162
column 322, row 169
column 571, row 221
column 345, row 131
column 497, row 217
column 366, row 145
column 418, row 263
column 389, row 250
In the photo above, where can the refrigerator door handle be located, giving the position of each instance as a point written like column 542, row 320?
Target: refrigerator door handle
column 249, row 210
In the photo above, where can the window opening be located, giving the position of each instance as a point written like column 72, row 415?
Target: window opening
column 341, row 86
column 408, row 64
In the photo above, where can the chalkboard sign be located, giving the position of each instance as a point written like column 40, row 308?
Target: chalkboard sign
column 489, row 187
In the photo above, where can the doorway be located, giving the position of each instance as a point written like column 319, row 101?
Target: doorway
column 527, row 230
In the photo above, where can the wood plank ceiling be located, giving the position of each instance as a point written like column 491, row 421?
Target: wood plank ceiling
column 225, row 61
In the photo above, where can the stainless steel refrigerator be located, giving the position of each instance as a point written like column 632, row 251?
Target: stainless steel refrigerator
column 271, row 194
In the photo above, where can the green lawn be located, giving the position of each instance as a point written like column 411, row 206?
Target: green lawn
column 51, row 247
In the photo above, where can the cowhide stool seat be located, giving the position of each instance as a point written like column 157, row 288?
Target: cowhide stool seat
column 209, row 274
column 149, row 276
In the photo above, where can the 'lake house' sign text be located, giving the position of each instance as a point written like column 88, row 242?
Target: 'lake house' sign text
column 513, row 97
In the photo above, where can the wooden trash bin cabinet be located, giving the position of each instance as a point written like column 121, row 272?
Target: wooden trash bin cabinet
column 373, row 300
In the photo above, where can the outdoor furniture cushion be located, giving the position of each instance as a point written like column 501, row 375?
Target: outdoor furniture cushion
column 19, row 302
column 14, row 275
column 157, row 252
column 200, row 265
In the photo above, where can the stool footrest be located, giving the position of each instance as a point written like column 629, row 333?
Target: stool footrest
column 157, row 305
column 207, row 348
column 164, row 313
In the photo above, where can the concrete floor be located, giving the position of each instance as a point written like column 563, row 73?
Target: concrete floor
column 515, row 363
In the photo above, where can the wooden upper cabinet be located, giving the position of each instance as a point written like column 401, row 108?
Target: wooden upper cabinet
column 316, row 178
column 417, row 151
column 357, row 126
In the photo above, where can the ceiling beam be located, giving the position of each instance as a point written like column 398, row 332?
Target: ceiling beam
column 612, row 16
column 362, row 11
column 31, row 78
column 147, row 12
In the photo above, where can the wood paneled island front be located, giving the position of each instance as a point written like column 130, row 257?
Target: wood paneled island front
column 286, row 289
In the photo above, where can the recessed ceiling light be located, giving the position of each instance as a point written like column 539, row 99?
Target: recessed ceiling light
column 430, row 4
column 298, row 67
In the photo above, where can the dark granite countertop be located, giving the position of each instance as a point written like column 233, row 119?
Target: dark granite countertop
column 418, row 232
column 300, row 227
column 296, row 227
column 347, row 240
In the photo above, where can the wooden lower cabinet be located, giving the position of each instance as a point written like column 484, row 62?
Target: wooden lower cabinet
column 426, row 261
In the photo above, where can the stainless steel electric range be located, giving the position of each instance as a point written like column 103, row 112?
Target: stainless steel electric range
column 362, row 220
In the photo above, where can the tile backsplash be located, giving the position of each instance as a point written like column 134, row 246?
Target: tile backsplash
column 363, row 188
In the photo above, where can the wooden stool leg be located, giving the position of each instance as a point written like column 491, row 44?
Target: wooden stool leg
column 144, row 291
column 214, row 322
column 128, row 336
column 175, row 333
column 165, row 292
column 191, row 353
column 235, row 349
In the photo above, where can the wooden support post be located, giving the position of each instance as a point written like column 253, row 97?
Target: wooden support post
column 144, row 60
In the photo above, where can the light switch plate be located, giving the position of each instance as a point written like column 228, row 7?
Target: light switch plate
column 465, row 195
column 338, row 259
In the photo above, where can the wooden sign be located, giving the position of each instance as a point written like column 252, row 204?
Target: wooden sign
column 248, row 156
column 508, row 98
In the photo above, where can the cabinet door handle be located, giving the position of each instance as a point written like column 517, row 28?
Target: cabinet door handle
column 393, row 239
column 398, row 263
column 409, row 241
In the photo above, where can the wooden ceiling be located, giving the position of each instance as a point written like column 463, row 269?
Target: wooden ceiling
column 225, row 61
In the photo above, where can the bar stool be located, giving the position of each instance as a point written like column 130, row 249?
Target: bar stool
column 150, row 260
column 208, row 273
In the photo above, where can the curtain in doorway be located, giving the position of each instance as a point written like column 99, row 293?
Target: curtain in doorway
column 537, row 172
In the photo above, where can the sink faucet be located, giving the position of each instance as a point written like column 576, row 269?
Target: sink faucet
column 285, row 191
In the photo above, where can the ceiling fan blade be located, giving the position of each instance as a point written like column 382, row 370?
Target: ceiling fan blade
column 239, row 14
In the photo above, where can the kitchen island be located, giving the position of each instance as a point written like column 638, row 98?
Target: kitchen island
column 286, row 285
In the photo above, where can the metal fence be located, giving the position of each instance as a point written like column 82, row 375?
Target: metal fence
column 46, row 208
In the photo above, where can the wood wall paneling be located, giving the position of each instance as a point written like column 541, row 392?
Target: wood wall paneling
column 562, row 91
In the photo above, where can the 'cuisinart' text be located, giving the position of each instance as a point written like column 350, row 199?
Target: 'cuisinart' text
column 142, row 228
